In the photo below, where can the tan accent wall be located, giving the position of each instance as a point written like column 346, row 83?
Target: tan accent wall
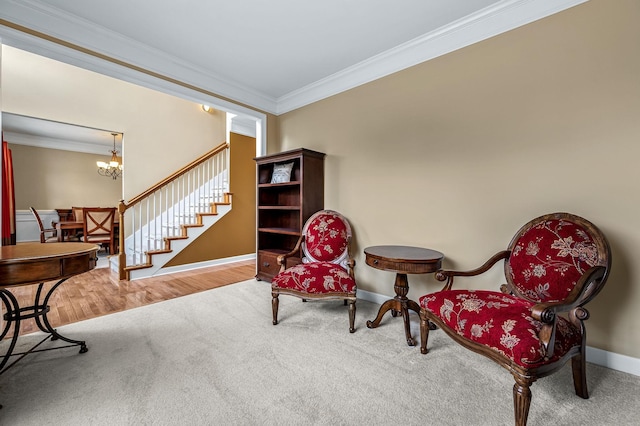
column 235, row 233
column 50, row 178
column 273, row 135
column 457, row 153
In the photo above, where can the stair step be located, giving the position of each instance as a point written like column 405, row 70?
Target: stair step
column 159, row 251
column 194, row 225
column 177, row 237
column 139, row 266
column 180, row 223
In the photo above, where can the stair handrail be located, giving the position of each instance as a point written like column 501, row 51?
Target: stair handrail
column 124, row 206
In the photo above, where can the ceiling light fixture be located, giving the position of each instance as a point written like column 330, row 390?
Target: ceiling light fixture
column 113, row 168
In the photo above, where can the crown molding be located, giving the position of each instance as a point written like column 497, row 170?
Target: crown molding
column 48, row 20
column 34, row 44
column 501, row 17
column 491, row 21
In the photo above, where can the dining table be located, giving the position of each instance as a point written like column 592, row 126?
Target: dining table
column 72, row 227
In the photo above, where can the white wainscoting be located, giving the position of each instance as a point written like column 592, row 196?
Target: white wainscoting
column 27, row 227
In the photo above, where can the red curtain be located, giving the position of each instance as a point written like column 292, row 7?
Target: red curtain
column 8, row 197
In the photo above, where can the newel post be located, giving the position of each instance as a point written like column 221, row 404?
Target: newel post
column 122, row 256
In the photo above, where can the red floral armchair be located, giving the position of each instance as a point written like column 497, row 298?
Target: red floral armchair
column 326, row 271
column 553, row 266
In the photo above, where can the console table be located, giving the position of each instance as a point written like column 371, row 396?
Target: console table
column 37, row 263
column 402, row 260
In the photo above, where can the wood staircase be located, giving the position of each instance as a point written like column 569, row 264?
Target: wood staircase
column 163, row 220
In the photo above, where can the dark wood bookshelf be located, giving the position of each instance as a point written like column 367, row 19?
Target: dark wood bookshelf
column 284, row 207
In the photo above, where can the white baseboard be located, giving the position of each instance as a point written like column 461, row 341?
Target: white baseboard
column 205, row 264
column 613, row 360
column 372, row 297
column 596, row 356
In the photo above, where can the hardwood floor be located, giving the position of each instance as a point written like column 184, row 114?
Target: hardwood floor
column 99, row 292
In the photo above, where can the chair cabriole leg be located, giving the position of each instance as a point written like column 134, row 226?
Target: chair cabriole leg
column 579, row 371
column 352, row 316
column 274, row 307
column 424, row 333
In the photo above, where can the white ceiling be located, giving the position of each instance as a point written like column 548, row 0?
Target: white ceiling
column 278, row 55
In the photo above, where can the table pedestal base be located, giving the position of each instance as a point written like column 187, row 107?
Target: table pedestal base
column 399, row 304
column 14, row 314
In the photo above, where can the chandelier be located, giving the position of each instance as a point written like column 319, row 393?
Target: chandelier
column 113, row 168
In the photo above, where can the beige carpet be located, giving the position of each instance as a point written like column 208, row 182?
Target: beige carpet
column 214, row 358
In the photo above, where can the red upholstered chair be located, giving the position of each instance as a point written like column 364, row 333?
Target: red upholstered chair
column 553, row 266
column 326, row 271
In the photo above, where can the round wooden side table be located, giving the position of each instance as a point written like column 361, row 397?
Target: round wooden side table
column 38, row 263
column 402, row 260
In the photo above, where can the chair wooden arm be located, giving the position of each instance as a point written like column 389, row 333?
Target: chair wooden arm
column 282, row 259
column 44, row 232
column 443, row 275
column 585, row 289
column 350, row 261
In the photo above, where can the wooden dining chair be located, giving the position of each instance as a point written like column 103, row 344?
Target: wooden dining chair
column 98, row 226
column 47, row 235
column 76, row 212
column 78, row 216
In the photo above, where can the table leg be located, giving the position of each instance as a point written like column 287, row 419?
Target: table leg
column 390, row 304
column 45, row 320
column 10, row 308
column 400, row 303
column 15, row 314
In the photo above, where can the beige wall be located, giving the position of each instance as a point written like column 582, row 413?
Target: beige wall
column 454, row 154
column 153, row 123
column 457, row 153
column 50, row 179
